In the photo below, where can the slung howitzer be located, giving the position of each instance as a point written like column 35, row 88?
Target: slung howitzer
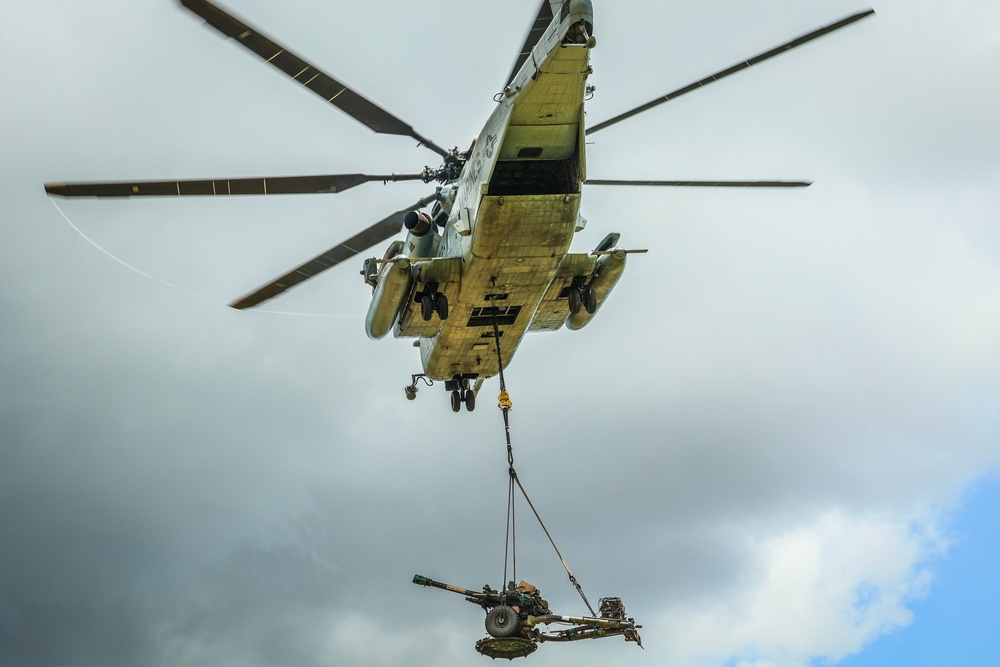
column 531, row 612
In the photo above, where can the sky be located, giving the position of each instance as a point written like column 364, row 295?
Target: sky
column 777, row 441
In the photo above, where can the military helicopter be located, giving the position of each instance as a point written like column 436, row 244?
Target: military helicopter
column 489, row 260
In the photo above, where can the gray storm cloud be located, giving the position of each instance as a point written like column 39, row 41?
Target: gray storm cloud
column 786, row 386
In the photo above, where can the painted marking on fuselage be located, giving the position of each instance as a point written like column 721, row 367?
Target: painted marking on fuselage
column 475, row 169
column 491, row 142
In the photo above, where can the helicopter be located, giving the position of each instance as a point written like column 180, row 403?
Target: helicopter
column 485, row 259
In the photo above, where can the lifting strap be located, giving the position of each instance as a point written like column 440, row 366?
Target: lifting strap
column 510, row 543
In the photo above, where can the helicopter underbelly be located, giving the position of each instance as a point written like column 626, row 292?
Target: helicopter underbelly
column 517, row 246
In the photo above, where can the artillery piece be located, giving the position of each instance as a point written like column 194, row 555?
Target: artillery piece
column 515, row 618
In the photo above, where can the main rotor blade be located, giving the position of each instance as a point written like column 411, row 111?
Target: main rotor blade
column 705, row 184
column 535, row 33
column 380, row 231
column 331, row 90
column 746, row 64
column 275, row 185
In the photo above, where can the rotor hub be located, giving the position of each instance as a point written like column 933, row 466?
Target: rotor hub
column 451, row 169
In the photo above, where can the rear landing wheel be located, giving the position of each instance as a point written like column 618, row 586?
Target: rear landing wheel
column 426, row 307
column 575, row 300
column 470, row 400
column 442, row 306
column 456, row 401
column 590, row 299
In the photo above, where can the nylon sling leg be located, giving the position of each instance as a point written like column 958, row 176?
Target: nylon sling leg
column 505, row 405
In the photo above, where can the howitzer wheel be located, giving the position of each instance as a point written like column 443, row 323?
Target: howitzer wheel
column 502, row 622
column 506, row 647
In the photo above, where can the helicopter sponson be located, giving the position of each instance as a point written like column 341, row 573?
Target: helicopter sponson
column 609, row 269
column 392, row 283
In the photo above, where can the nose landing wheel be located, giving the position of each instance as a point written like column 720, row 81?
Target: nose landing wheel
column 460, row 396
column 461, row 393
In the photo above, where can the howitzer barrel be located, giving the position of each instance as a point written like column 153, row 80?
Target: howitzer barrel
column 421, row 580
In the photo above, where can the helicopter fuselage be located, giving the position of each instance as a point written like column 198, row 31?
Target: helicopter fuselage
column 513, row 217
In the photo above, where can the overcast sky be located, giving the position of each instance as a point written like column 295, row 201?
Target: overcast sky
column 761, row 443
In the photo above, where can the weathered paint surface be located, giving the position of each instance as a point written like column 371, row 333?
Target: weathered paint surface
column 515, row 214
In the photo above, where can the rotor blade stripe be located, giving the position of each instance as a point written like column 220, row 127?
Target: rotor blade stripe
column 328, row 184
column 798, row 41
column 370, row 114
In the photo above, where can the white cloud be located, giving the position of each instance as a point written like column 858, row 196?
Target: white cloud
column 821, row 590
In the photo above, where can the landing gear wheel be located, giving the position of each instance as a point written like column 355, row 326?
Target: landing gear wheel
column 442, row 306
column 470, row 400
column 502, row 622
column 575, row 300
column 590, row 299
column 456, row 401
column 426, row 307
